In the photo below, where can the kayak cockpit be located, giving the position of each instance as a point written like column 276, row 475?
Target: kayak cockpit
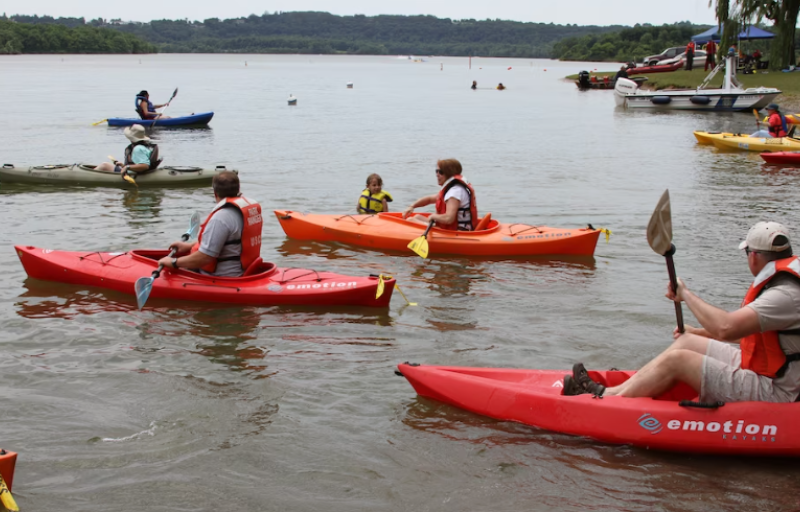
column 259, row 269
column 491, row 225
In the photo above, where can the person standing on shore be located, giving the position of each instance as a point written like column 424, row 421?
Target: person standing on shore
column 689, row 55
column 711, row 56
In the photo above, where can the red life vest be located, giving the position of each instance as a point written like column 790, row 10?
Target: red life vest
column 690, row 47
column 251, row 232
column 761, row 352
column 777, row 125
column 466, row 218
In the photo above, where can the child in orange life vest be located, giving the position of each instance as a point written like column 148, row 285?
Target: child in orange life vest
column 374, row 199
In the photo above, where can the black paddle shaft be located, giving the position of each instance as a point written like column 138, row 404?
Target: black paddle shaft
column 430, row 225
column 157, row 272
column 673, row 280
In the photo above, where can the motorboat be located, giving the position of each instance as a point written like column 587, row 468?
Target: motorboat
column 731, row 97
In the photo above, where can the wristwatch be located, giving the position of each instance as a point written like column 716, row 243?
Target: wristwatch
column 174, row 262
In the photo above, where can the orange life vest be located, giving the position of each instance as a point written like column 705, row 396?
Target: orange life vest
column 690, row 46
column 466, row 218
column 251, row 231
column 762, row 352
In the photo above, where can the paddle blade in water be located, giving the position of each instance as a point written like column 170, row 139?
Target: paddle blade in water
column 6, row 498
column 143, row 287
column 129, row 180
column 659, row 229
column 420, row 246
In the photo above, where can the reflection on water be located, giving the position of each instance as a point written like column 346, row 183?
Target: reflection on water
column 142, row 206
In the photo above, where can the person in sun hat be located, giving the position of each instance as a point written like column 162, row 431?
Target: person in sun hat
column 141, row 155
column 751, row 353
column 776, row 121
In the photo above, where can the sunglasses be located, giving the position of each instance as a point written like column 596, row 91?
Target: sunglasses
column 439, row 171
column 747, row 251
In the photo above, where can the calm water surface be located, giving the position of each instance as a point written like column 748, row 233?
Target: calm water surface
column 197, row 407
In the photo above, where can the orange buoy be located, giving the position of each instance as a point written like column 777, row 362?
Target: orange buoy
column 8, row 460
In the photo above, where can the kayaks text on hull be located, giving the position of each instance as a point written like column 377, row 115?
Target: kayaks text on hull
column 201, row 119
column 533, row 397
column 86, row 175
column 264, row 285
column 390, row 232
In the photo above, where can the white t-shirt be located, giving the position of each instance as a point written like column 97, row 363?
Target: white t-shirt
column 458, row 192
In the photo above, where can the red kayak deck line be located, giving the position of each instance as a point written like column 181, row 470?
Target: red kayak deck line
column 782, row 157
column 533, row 397
column 270, row 286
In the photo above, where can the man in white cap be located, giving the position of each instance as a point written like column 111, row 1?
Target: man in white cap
column 141, row 155
column 759, row 348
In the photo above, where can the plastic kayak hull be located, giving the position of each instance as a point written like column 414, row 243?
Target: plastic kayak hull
column 86, row 175
column 664, row 68
column 390, row 232
column 760, row 144
column 8, row 462
column 269, row 286
column 781, row 158
column 708, row 137
column 533, row 397
column 192, row 120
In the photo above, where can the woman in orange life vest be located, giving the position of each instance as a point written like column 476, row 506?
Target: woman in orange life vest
column 456, row 208
column 230, row 237
column 764, row 367
column 776, row 121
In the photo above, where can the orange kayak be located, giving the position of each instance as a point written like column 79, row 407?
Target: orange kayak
column 390, row 232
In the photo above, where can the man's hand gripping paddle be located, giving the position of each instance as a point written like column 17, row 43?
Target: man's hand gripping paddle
column 144, row 285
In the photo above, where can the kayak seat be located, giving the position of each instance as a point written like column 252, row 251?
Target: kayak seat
column 258, row 267
column 484, row 222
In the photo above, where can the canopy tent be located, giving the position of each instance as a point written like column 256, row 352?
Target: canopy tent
column 749, row 33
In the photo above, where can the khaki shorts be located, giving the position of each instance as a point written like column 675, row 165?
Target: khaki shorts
column 726, row 381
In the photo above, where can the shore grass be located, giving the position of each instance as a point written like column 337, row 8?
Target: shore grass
column 788, row 83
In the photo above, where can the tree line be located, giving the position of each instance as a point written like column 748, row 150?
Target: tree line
column 322, row 32
column 58, row 38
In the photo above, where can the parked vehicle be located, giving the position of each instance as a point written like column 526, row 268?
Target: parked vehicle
column 699, row 59
column 669, row 53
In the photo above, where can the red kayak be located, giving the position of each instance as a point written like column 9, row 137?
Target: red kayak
column 782, row 157
column 671, row 422
column 656, row 69
column 263, row 284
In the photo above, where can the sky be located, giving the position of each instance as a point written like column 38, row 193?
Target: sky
column 580, row 12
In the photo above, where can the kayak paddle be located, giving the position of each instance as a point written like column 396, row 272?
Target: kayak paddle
column 382, row 286
column 144, row 285
column 125, row 177
column 758, row 120
column 6, row 498
column 174, row 93
column 420, row 245
column 659, row 236
column 101, row 121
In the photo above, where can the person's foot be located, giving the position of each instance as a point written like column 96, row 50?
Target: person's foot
column 581, row 377
column 572, row 388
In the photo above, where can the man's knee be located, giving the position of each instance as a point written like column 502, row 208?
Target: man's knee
column 691, row 342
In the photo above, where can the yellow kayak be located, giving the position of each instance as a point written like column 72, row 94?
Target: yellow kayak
column 759, row 144
column 708, row 137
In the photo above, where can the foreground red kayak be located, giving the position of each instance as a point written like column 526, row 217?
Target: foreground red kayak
column 782, row 157
column 670, row 422
column 263, row 285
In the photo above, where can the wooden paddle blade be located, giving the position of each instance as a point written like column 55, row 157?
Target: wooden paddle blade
column 659, row 229
column 143, row 287
column 6, row 498
column 420, row 246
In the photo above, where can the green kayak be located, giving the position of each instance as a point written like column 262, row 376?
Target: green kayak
column 86, row 175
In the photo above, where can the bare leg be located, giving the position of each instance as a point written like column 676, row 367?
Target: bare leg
column 419, row 219
column 682, row 361
column 105, row 166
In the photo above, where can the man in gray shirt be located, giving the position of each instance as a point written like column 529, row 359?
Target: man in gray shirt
column 227, row 244
column 758, row 356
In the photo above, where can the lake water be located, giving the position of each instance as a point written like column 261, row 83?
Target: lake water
column 199, row 407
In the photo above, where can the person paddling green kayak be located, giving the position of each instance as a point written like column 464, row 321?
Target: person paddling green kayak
column 141, row 155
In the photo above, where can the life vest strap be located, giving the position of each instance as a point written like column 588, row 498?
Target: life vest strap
column 789, row 358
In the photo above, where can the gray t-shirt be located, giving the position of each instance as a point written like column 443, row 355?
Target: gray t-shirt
column 778, row 309
column 225, row 225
